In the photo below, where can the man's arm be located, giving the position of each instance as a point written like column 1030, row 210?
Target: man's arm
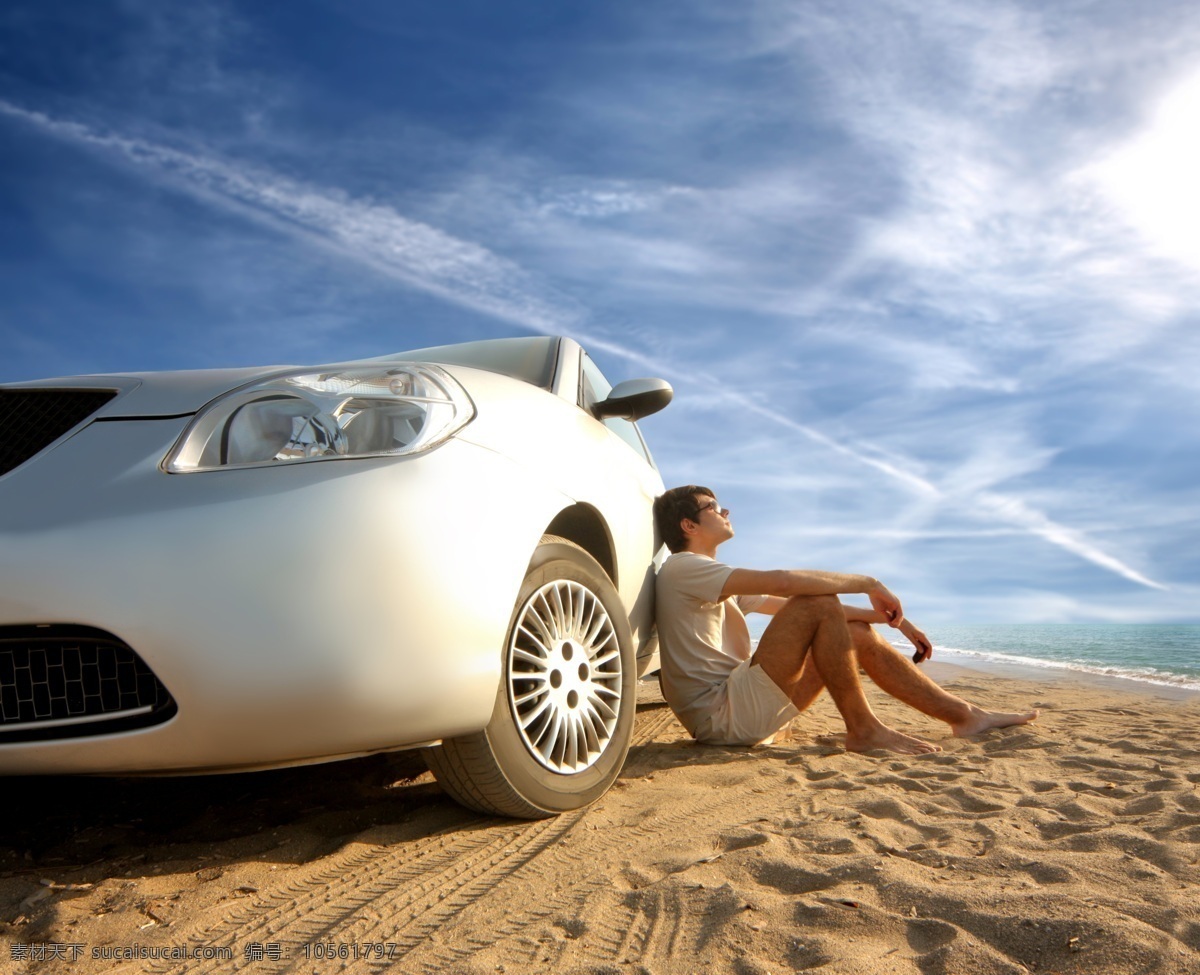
column 856, row 614
column 922, row 644
column 813, row 582
column 770, row 605
column 919, row 640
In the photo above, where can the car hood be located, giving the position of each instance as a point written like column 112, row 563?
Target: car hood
column 158, row 394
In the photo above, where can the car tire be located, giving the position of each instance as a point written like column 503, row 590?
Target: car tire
column 564, row 711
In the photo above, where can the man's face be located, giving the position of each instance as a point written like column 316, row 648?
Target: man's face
column 712, row 521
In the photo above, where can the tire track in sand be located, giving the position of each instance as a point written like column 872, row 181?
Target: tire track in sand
column 623, row 924
column 413, row 886
column 630, row 919
column 404, row 895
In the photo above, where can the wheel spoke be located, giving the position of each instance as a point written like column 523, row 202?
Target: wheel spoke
column 532, row 716
column 530, row 658
column 601, row 659
column 553, row 741
column 543, row 621
column 597, row 625
column 542, row 640
column 592, row 726
column 530, row 695
column 581, row 607
column 602, row 706
column 556, row 612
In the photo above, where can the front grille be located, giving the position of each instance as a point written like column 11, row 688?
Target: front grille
column 32, row 419
column 68, row 681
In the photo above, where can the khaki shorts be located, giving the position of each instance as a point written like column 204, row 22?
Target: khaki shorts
column 750, row 710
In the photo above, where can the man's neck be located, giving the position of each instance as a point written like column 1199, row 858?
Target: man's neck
column 699, row 549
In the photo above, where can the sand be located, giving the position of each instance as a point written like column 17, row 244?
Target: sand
column 1068, row 846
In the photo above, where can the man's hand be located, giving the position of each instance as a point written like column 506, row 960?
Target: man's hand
column 884, row 601
column 924, row 649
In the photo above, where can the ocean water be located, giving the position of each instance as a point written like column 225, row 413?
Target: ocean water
column 1162, row 654
column 1153, row 654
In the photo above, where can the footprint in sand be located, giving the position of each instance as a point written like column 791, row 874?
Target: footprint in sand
column 926, row 934
column 1144, row 806
column 920, row 773
column 1050, row 873
column 1188, row 802
column 1134, row 748
column 908, row 784
column 1105, row 790
column 1092, row 763
column 891, row 809
column 969, row 802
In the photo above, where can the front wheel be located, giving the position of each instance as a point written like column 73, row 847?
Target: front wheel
column 564, row 710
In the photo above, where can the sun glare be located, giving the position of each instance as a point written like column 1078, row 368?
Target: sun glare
column 1153, row 178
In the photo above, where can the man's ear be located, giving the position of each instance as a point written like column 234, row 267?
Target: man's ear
column 689, row 527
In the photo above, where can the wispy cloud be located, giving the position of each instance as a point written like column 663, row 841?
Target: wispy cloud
column 1017, row 512
column 377, row 236
column 993, row 506
column 602, row 200
column 967, row 494
column 369, row 233
column 992, row 226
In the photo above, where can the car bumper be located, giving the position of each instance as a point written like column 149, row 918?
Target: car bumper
column 293, row 613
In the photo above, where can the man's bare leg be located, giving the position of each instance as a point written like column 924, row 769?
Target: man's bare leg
column 899, row 677
column 808, row 645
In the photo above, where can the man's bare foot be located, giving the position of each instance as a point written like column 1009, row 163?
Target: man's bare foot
column 889, row 739
column 981, row 721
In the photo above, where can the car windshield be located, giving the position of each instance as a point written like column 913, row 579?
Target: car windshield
column 531, row 360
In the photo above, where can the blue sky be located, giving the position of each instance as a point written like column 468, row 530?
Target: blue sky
column 924, row 274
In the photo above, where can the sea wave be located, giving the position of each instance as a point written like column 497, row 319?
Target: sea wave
column 1145, row 675
column 979, row 659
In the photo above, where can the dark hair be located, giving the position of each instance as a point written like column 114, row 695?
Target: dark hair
column 671, row 507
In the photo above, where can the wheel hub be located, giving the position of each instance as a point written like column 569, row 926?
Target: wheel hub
column 564, row 676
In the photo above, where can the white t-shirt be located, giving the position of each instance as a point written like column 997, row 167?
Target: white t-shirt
column 701, row 637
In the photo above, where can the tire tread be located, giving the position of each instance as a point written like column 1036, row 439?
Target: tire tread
column 466, row 766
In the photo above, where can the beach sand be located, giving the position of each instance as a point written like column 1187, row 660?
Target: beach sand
column 1070, row 845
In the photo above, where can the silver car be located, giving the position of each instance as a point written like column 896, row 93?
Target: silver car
column 245, row 568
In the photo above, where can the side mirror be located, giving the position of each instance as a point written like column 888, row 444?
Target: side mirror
column 634, row 399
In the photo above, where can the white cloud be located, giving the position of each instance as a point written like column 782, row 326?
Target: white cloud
column 1000, row 454
column 1017, row 512
column 965, row 104
column 968, row 498
column 598, row 201
column 927, row 364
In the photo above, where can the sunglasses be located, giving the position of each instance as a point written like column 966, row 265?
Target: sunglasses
column 715, row 505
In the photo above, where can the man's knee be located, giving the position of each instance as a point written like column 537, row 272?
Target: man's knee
column 790, row 633
column 815, row 605
column 861, row 631
column 867, row 641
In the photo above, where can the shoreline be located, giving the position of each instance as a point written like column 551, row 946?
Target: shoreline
column 1174, row 686
column 947, row 665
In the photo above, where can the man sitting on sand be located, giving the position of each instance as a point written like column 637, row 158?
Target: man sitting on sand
column 724, row 695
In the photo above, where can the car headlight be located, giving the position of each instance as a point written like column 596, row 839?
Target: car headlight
column 367, row 412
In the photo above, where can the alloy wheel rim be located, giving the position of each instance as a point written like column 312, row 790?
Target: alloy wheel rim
column 564, row 676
